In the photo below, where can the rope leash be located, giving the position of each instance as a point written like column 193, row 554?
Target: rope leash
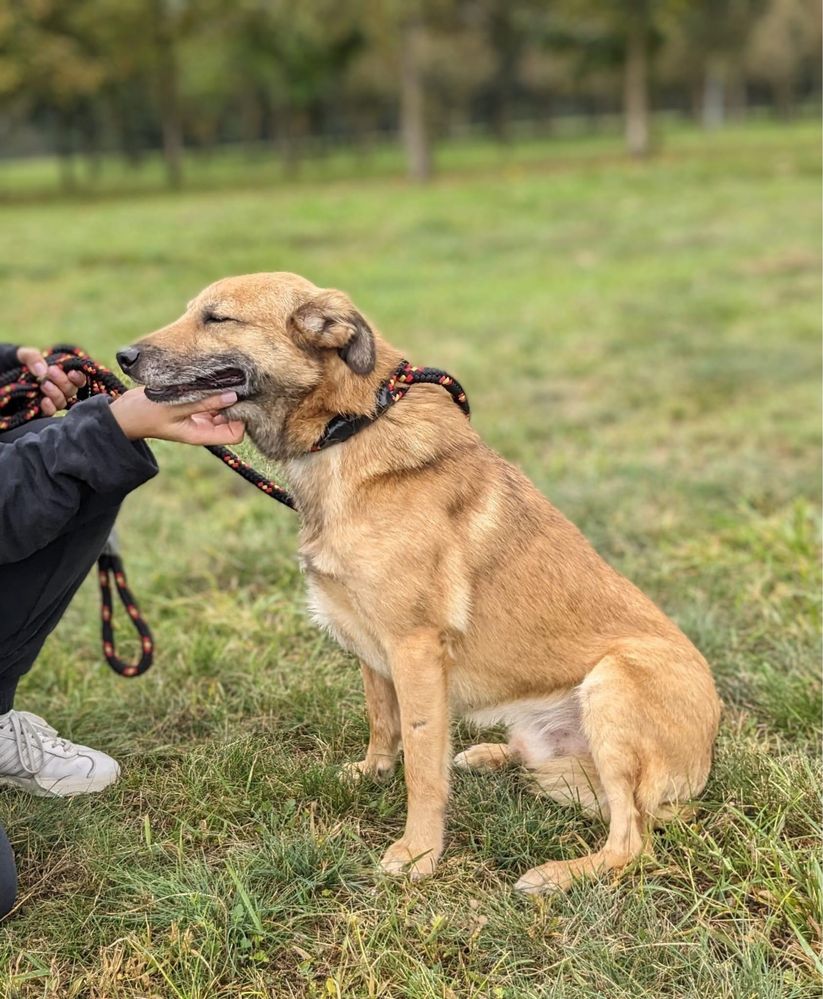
column 20, row 401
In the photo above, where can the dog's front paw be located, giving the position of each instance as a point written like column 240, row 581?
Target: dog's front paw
column 378, row 768
column 414, row 860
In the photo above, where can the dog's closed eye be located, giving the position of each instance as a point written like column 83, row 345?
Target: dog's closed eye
column 210, row 317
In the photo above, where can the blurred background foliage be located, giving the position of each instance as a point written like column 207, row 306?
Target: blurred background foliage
column 92, row 79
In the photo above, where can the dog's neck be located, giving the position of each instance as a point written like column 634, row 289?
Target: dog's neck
column 340, row 393
column 285, row 427
column 421, row 429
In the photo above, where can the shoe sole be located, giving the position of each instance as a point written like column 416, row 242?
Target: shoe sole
column 67, row 787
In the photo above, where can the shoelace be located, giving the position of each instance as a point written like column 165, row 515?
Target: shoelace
column 30, row 738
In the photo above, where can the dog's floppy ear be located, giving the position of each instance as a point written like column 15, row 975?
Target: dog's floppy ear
column 330, row 320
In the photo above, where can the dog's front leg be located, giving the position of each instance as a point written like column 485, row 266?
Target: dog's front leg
column 384, row 727
column 418, row 670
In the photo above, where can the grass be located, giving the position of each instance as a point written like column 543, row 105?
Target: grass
column 643, row 339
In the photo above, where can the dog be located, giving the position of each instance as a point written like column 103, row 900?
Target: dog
column 457, row 585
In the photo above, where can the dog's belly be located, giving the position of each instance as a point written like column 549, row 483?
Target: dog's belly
column 540, row 728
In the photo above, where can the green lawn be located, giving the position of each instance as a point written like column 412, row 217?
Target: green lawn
column 643, row 339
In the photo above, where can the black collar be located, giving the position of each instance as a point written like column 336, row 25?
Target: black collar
column 341, row 427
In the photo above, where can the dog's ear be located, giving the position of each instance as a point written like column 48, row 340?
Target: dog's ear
column 330, row 320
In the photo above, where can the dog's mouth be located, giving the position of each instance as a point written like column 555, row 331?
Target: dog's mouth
column 214, row 381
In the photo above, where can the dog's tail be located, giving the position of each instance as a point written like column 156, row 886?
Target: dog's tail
column 573, row 780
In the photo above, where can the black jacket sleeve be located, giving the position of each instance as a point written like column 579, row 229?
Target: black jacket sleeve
column 45, row 477
column 8, row 357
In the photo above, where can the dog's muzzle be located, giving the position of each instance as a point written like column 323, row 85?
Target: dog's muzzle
column 216, row 381
column 189, row 382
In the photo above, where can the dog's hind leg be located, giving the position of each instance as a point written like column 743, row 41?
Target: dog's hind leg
column 650, row 745
column 615, row 778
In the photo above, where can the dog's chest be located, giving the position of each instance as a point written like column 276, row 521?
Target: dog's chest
column 334, row 604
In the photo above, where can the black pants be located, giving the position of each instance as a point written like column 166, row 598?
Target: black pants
column 34, row 594
column 8, row 875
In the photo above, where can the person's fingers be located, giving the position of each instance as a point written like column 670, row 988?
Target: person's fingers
column 59, row 378
column 236, row 431
column 205, row 421
column 212, row 404
column 232, row 432
column 50, row 390
column 77, row 378
column 204, row 432
column 33, row 360
column 47, row 407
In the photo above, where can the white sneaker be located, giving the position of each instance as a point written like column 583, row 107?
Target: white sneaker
column 33, row 757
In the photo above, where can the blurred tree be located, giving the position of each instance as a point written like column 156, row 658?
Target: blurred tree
column 48, row 68
column 398, row 30
column 621, row 33
column 784, row 47
column 290, row 59
column 716, row 32
column 413, row 123
column 635, row 17
column 405, row 33
column 508, row 27
column 167, row 21
column 148, row 74
column 74, row 59
column 142, row 40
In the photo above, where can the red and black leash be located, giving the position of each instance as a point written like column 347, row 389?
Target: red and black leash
column 20, row 400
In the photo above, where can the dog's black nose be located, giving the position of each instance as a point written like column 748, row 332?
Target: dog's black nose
column 127, row 356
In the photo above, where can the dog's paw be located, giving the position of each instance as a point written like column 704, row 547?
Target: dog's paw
column 415, row 861
column 552, row 877
column 379, row 769
column 484, row 756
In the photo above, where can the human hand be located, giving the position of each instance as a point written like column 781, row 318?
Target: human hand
column 57, row 386
column 188, row 423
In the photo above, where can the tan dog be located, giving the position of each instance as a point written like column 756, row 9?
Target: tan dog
column 458, row 586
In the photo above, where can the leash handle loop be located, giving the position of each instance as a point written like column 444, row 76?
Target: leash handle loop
column 110, row 567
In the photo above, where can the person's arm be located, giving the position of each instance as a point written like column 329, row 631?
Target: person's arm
column 8, row 357
column 45, row 477
column 98, row 448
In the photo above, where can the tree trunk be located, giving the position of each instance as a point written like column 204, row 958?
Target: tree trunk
column 90, row 132
column 783, row 92
column 130, row 147
column 737, row 101
column 65, row 151
column 413, row 104
column 291, row 130
column 714, row 93
column 168, row 93
column 636, row 84
column 696, row 99
column 128, row 139
column 506, row 46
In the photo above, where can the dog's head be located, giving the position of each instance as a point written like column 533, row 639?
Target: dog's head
column 273, row 338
